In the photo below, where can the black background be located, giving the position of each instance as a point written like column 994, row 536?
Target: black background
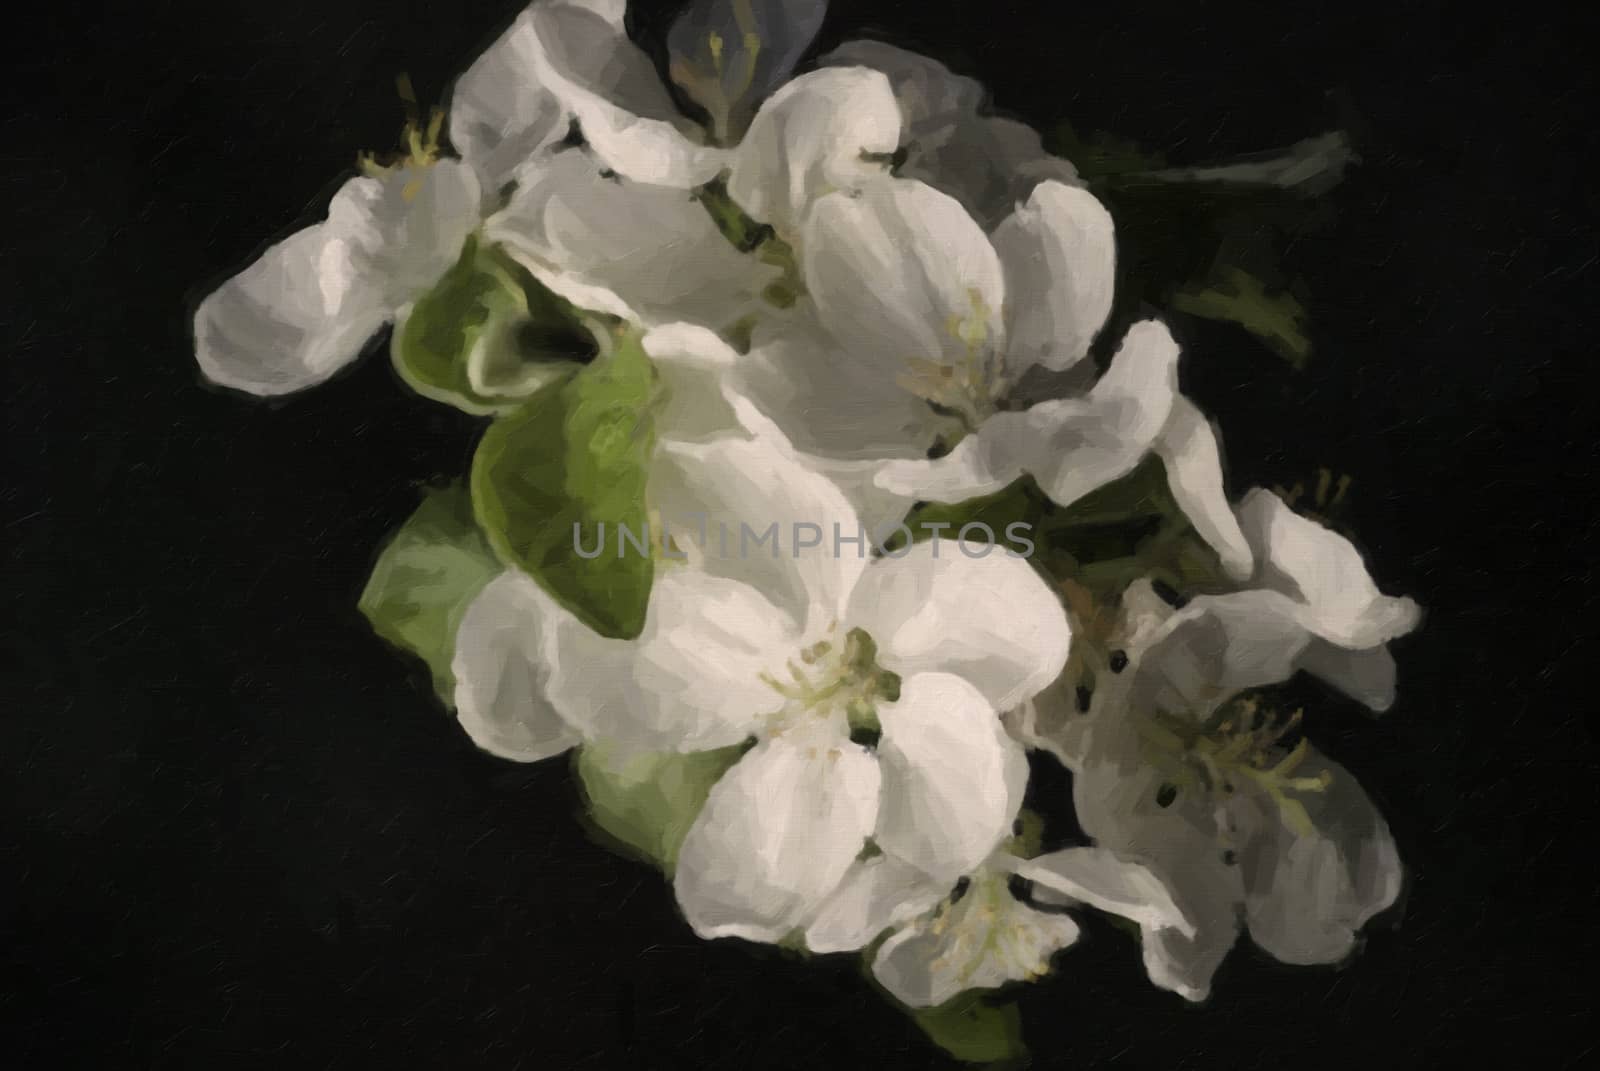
column 238, row 831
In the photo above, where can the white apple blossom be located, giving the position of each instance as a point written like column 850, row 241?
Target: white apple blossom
column 786, row 651
column 651, row 252
column 942, row 939
column 308, row 305
column 923, row 327
column 1249, row 825
column 611, row 225
column 858, row 288
column 572, row 60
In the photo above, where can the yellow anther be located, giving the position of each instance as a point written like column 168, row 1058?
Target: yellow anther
column 971, row 385
column 829, row 678
column 1247, row 745
column 714, row 42
column 420, row 141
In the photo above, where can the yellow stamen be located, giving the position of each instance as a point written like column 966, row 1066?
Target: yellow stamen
column 970, row 386
column 1244, row 745
column 420, row 140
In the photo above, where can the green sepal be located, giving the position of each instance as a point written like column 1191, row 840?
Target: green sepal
column 429, row 571
column 981, row 1027
column 570, row 459
column 488, row 334
column 975, row 1029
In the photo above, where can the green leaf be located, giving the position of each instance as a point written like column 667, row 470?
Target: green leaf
column 975, row 1031
column 1020, row 502
column 488, row 334
column 432, row 567
column 1141, row 493
column 572, row 458
column 646, row 803
column 1239, row 297
column 1210, row 240
column 1128, row 529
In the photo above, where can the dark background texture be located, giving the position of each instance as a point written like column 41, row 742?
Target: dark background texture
column 238, row 831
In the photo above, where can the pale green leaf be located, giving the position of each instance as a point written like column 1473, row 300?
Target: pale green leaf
column 975, row 1031
column 431, row 568
column 646, row 803
column 574, row 457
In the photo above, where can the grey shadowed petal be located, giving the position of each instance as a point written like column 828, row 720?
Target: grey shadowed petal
column 728, row 55
column 1131, row 807
column 989, row 163
column 1309, row 891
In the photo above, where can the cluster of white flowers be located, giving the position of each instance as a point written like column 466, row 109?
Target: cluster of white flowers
column 854, row 294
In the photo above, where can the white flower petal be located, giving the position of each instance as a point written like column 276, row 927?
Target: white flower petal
column 1186, row 965
column 1188, row 448
column 1105, row 880
column 769, row 521
column 699, row 668
column 951, row 777
column 696, row 369
column 1216, row 647
column 993, row 620
column 655, row 247
column 1308, row 893
column 831, row 401
column 1105, row 438
column 308, row 305
column 928, row 92
column 987, row 163
column 983, row 463
column 503, row 657
column 293, row 318
column 1367, row 676
column 777, row 835
column 880, row 511
column 610, row 86
column 1052, row 722
column 892, row 267
column 1322, row 570
column 1118, row 798
column 877, row 893
column 500, row 112
column 1060, row 257
column 692, row 681
column 810, row 139
column 412, row 223
column 984, row 940
column 1072, row 446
